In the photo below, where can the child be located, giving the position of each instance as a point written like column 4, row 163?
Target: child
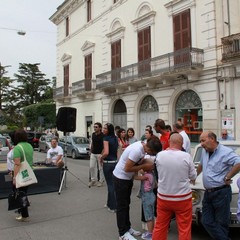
column 148, row 199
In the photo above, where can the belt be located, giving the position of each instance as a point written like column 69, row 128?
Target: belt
column 106, row 161
column 217, row 188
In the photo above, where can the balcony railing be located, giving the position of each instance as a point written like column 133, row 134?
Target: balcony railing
column 176, row 62
column 61, row 92
column 231, row 48
column 82, row 86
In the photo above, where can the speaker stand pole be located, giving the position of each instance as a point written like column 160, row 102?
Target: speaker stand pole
column 65, row 169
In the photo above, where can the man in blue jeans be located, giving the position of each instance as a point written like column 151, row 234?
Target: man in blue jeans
column 123, row 181
column 218, row 164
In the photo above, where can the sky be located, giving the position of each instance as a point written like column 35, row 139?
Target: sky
column 39, row 43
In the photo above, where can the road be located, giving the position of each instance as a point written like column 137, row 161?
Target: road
column 78, row 173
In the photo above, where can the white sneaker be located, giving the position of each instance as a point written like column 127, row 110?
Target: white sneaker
column 92, row 183
column 99, row 184
column 127, row 236
column 134, row 232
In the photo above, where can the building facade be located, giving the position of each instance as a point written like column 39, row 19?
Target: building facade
column 131, row 62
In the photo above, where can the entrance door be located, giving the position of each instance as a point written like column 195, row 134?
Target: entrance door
column 120, row 114
column 148, row 113
column 189, row 112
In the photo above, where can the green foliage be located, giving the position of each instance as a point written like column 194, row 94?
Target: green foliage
column 30, row 89
column 42, row 115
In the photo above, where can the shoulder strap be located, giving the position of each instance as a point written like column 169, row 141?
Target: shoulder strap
column 23, row 152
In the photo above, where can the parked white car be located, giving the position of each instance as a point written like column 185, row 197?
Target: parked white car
column 198, row 189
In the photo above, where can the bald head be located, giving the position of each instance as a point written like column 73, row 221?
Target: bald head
column 176, row 141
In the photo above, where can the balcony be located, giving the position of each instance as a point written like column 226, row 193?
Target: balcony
column 231, row 48
column 84, row 88
column 62, row 94
column 161, row 68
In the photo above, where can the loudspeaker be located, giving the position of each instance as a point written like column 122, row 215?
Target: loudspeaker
column 66, row 119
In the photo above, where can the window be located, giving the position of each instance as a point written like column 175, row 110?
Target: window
column 67, row 26
column 236, row 45
column 116, row 59
column 182, row 37
column 182, row 30
column 144, row 50
column 66, row 80
column 88, row 72
column 89, row 10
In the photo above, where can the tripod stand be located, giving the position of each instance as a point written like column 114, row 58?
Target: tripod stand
column 65, row 169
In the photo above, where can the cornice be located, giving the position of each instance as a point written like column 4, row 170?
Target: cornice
column 65, row 10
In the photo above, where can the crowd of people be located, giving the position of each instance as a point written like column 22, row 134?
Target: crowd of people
column 162, row 161
column 163, row 164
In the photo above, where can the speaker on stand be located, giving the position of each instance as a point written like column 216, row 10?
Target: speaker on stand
column 66, row 122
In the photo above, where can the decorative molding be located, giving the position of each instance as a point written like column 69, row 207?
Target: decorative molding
column 116, row 34
column 177, row 6
column 65, row 9
column 145, row 20
column 66, row 58
column 88, row 47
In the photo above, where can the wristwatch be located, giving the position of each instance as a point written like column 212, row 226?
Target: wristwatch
column 226, row 179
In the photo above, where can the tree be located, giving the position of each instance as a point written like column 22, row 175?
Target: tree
column 40, row 115
column 29, row 87
column 32, row 86
column 4, row 86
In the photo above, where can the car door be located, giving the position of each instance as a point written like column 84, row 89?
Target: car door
column 69, row 146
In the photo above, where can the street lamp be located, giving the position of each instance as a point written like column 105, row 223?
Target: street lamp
column 19, row 32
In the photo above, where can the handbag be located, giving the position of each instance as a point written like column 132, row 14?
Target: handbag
column 25, row 176
column 17, row 199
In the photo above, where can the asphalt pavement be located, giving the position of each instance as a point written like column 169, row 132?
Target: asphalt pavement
column 76, row 213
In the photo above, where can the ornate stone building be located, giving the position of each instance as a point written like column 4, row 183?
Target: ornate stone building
column 130, row 62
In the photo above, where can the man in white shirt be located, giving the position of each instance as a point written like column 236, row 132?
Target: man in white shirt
column 175, row 170
column 178, row 127
column 55, row 153
column 128, row 164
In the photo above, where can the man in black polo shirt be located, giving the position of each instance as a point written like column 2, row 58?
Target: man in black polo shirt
column 96, row 150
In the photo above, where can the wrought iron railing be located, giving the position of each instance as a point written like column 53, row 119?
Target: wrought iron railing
column 231, row 47
column 187, row 58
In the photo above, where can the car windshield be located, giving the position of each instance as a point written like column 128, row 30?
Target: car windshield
column 80, row 140
column 48, row 139
column 3, row 142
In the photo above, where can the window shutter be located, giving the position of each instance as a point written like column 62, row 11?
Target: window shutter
column 66, row 80
column 116, row 59
column 182, row 30
column 67, row 26
column 88, row 72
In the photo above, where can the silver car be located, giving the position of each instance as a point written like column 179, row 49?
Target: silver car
column 198, row 189
column 75, row 146
column 44, row 143
column 4, row 148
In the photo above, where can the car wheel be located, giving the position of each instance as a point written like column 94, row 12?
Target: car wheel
column 74, row 154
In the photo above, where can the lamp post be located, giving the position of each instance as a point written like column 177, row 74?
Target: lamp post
column 19, row 32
